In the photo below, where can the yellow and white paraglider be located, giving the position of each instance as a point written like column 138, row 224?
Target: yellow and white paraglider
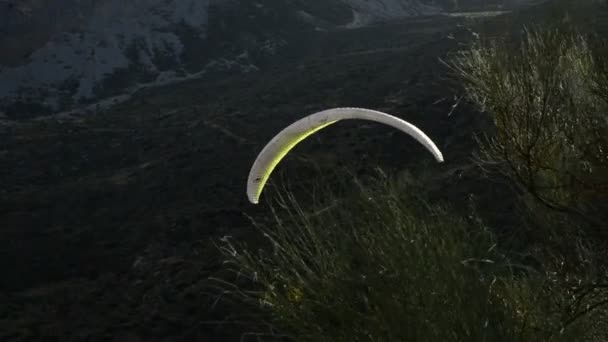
column 289, row 137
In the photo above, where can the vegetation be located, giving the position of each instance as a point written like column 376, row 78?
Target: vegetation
column 548, row 100
column 381, row 264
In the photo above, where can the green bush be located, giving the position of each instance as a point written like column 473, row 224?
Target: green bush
column 547, row 94
column 382, row 265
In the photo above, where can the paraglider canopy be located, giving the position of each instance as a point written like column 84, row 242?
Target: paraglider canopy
column 289, row 137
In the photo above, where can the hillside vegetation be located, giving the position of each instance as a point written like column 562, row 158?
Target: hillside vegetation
column 111, row 223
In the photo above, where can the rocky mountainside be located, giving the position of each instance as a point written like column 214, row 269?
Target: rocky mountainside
column 59, row 55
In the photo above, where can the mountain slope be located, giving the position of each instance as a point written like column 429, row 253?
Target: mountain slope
column 64, row 54
column 107, row 221
column 110, row 38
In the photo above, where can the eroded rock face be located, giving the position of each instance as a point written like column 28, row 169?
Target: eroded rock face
column 64, row 54
column 81, row 45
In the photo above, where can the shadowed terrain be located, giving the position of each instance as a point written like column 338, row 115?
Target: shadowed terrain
column 108, row 221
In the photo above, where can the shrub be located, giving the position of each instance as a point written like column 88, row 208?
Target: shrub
column 382, row 265
column 548, row 97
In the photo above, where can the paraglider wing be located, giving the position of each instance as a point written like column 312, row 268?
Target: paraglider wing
column 289, row 137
